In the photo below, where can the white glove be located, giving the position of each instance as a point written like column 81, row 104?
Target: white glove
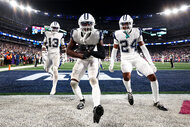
column 111, row 67
column 153, row 68
column 44, row 56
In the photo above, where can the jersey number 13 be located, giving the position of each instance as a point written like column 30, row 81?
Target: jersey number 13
column 53, row 42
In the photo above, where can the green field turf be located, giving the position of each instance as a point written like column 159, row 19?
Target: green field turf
column 160, row 66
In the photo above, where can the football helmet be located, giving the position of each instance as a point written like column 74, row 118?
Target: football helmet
column 86, row 22
column 55, row 26
column 126, row 23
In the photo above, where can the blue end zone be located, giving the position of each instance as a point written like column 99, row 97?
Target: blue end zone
column 168, row 81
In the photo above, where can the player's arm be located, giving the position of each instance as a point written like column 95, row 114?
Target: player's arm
column 101, row 51
column 44, row 44
column 145, row 52
column 113, row 53
column 147, row 55
column 71, row 52
column 44, row 49
column 62, row 47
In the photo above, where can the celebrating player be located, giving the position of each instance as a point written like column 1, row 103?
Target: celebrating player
column 90, row 48
column 51, row 52
column 127, row 38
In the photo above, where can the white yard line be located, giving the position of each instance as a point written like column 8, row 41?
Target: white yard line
column 19, row 67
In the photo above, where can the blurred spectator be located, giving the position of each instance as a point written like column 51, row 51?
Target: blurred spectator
column 17, row 59
column 1, row 59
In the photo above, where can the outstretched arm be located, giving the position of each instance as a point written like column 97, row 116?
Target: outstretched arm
column 145, row 52
column 113, row 57
column 147, row 55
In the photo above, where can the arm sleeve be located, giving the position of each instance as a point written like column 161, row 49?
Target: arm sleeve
column 146, row 54
column 45, row 39
column 116, row 41
column 62, row 41
column 113, row 55
column 100, row 53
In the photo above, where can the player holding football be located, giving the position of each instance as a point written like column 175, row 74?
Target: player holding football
column 90, row 49
column 127, row 38
column 51, row 52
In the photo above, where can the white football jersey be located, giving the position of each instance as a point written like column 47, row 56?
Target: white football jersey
column 128, row 42
column 91, row 41
column 53, row 41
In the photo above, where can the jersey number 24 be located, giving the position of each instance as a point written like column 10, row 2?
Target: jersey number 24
column 125, row 44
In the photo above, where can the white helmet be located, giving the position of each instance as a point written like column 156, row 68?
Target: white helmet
column 55, row 26
column 126, row 23
column 86, row 22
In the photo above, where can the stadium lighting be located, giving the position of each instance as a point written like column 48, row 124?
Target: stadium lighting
column 45, row 13
column 21, row 7
column 28, row 8
column 36, row 11
column 175, row 11
column 13, row 3
column 167, row 12
column 183, row 8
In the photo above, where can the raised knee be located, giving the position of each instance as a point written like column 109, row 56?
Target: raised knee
column 73, row 84
column 152, row 77
column 126, row 76
column 93, row 81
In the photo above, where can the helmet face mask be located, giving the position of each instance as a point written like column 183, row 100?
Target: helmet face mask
column 86, row 23
column 86, row 26
column 126, row 23
column 55, row 27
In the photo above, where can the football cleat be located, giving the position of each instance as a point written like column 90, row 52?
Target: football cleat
column 130, row 98
column 81, row 104
column 53, row 91
column 98, row 112
column 160, row 107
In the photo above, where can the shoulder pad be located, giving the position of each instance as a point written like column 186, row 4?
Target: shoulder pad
column 115, row 34
column 72, row 32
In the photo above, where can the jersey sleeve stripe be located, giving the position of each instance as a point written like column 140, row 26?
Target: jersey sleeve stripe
column 114, row 36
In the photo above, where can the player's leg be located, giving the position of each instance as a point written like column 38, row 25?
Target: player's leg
column 93, row 71
column 48, row 65
column 126, row 68
column 56, row 60
column 77, row 73
column 145, row 69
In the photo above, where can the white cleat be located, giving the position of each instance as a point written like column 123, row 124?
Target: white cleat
column 53, row 91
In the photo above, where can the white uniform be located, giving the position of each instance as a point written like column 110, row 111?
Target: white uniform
column 129, row 56
column 53, row 42
column 91, row 63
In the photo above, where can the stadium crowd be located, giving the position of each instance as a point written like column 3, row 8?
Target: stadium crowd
column 11, row 53
column 178, row 54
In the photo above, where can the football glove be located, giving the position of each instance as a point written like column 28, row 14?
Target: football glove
column 111, row 67
column 86, row 55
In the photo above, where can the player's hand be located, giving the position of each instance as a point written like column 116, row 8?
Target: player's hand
column 111, row 68
column 154, row 68
column 86, row 55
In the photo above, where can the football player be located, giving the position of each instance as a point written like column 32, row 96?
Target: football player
column 90, row 49
column 127, row 38
column 51, row 52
